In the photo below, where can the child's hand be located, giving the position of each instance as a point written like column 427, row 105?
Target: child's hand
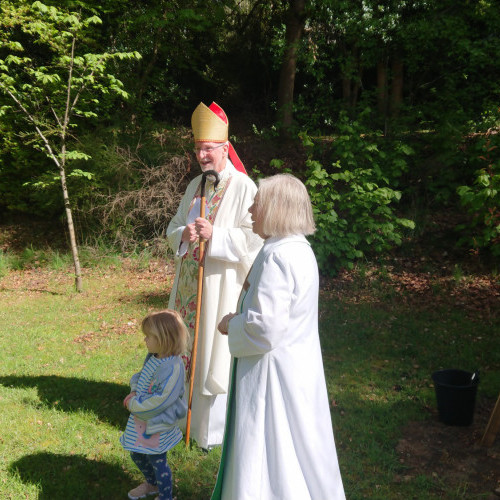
column 128, row 398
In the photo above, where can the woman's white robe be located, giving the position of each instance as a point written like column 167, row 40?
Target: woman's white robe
column 279, row 440
column 229, row 256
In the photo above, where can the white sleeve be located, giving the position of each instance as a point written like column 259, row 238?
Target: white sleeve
column 227, row 244
column 233, row 239
column 265, row 322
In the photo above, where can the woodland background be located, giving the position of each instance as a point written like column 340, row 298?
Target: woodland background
column 388, row 110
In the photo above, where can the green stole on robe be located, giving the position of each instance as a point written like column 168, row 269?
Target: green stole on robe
column 217, row 493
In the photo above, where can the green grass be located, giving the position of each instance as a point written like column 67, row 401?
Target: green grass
column 379, row 357
column 66, row 358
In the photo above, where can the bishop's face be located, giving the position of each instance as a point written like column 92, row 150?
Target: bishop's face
column 211, row 155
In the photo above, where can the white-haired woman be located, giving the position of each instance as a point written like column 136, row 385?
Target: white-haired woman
column 278, row 440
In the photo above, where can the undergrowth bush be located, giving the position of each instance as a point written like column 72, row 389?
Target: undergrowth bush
column 481, row 199
column 353, row 200
column 136, row 215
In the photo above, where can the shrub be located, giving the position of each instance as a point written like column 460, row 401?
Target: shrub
column 138, row 214
column 481, row 199
column 353, row 204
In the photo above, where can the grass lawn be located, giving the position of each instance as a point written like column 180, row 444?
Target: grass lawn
column 66, row 359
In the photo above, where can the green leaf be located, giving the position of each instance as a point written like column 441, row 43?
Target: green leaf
column 77, row 155
column 80, row 173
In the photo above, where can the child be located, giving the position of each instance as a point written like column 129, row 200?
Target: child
column 155, row 403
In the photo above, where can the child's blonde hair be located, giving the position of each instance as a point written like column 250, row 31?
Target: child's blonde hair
column 169, row 329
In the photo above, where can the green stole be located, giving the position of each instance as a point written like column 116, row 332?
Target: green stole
column 217, row 493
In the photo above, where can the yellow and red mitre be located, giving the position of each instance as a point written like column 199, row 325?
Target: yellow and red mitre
column 210, row 124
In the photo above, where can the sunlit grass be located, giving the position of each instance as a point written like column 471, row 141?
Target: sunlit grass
column 66, row 358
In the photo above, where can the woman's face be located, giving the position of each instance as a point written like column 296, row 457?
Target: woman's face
column 257, row 217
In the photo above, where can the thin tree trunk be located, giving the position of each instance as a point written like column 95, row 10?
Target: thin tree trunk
column 71, row 230
column 344, row 76
column 62, row 175
column 346, row 89
column 382, row 87
column 351, row 80
column 356, row 85
column 397, row 85
column 294, row 29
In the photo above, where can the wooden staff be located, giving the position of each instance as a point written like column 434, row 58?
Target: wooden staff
column 199, row 293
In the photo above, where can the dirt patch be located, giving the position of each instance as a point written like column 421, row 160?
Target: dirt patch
column 452, row 455
column 406, row 283
column 23, row 232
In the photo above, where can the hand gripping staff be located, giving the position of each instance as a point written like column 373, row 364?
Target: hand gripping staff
column 208, row 173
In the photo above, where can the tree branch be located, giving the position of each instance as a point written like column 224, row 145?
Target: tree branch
column 33, row 121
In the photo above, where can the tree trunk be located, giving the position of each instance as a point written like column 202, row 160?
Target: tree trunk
column 356, row 85
column 351, row 78
column 294, row 27
column 346, row 90
column 62, row 175
column 397, row 85
column 71, row 230
column 382, row 87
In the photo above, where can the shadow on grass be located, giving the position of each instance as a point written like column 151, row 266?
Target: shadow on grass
column 75, row 477
column 32, row 290
column 67, row 394
column 157, row 299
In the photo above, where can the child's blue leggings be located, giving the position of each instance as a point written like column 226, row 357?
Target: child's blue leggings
column 156, row 471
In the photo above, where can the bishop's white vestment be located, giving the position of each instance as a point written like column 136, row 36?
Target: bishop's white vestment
column 279, row 442
column 229, row 255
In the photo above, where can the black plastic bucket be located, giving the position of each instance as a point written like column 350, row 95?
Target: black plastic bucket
column 456, row 395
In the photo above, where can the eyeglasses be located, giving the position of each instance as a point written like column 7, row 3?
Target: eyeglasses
column 209, row 149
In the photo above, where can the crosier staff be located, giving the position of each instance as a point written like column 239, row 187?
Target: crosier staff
column 208, row 173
